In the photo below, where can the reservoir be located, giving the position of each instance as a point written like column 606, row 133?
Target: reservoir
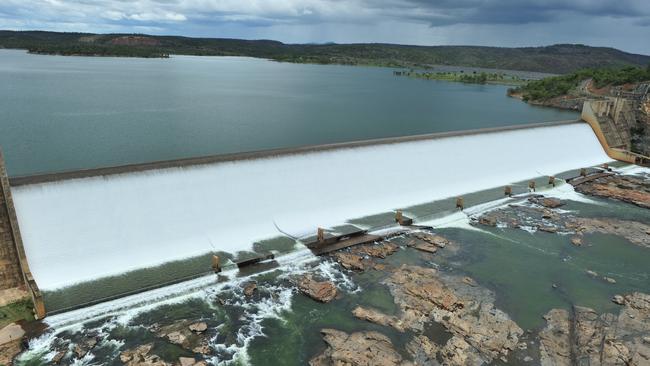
column 67, row 113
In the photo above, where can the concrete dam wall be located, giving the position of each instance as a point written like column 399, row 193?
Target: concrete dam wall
column 82, row 226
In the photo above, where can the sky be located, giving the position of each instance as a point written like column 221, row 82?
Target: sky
column 622, row 24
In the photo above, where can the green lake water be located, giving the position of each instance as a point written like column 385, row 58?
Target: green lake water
column 66, row 113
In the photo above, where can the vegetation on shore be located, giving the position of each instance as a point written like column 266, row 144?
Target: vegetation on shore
column 463, row 77
column 555, row 59
column 556, row 86
column 19, row 310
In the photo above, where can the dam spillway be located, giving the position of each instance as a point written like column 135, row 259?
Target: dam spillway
column 86, row 228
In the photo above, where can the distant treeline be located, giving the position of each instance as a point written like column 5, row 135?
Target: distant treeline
column 551, row 87
column 466, row 77
column 556, row 59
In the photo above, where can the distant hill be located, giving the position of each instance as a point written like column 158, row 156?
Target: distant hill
column 558, row 59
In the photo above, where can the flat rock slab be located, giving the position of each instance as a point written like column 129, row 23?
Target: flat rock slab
column 11, row 333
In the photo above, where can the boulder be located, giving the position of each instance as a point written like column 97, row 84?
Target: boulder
column 250, row 288
column 187, row 361
column 140, row 357
column 487, row 220
column 350, row 261
column 82, row 348
column 199, row 327
column 324, row 291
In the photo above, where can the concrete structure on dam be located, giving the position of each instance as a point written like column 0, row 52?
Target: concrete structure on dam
column 15, row 275
column 220, row 202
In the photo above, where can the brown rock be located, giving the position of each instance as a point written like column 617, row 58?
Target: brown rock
column 378, row 317
column 426, row 247
column 547, row 229
column 618, row 299
column 204, row 349
column 357, row 349
column 84, row 347
column 378, row 250
column 551, row 203
column 320, row 291
column 423, row 350
column 140, row 357
column 176, row 337
column 199, row 327
column 576, row 240
column 487, row 220
column 58, row 357
column 350, row 261
column 628, row 189
column 595, row 339
column 187, row 361
column 250, row 288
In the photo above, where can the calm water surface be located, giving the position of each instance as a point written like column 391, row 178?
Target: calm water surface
column 63, row 113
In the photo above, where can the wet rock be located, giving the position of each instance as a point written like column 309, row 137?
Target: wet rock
column 436, row 240
column 185, row 333
column 547, row 229
column 423, row 350
column 357, row 349
column 140, row 357
column 592, row 273
column 204, row 349
column 58, row 357
column 199, row 327
column 459, row 352
column 250, row 288
column 577, row 241
column 176, row 338
column 483, row 333
column 379, row 250
column 470, row 281
column 554, row 339
column 618, row 299
column 324, row 291
column 592, row 339
column 82, row 348
column 187, row 361
column 487, row 220
column 609, row 279
column 528, row 359
column 426, row 247
column 378, row 317
column 630, row 230
column 551, row 203
column 628, row 189
column 350, row 261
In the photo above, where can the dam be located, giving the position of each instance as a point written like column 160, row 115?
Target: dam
column 83, row 226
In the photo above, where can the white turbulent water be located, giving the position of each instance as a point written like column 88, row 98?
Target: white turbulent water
column 79, row 230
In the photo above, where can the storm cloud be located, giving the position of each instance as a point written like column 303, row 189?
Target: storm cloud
column 623, row 24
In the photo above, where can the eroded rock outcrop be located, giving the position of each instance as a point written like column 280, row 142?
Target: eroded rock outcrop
column 357, row 349
column 481, row 333
column 625, row 188
column 584, row 337
column 140, row 356
column 522, row 216
column 323, row 291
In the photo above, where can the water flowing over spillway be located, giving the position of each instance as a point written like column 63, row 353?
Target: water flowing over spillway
column 83, row 229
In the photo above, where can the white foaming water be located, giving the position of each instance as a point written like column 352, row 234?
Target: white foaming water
column 84, row 229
